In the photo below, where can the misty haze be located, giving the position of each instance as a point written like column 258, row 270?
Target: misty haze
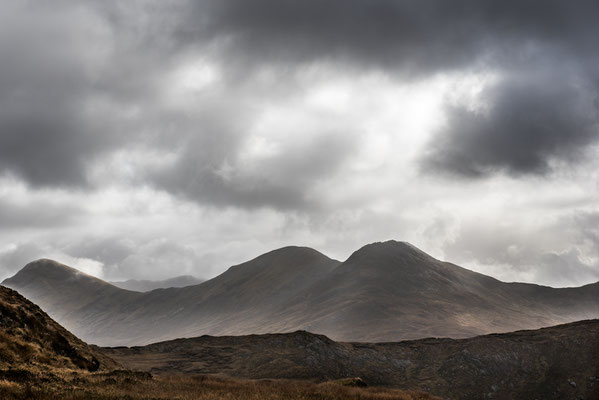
column 278, row 199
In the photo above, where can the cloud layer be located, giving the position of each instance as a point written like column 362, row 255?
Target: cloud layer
column 147, row 138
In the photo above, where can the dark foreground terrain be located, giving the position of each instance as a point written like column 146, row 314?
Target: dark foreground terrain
column 40, row 360
column 126, row 385
column 561, row 362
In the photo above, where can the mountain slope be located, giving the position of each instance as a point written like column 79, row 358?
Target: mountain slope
column 29, row 338
column 147, row 285
column 553, row 363
column 237, row 301
column 79, row 302
column 403, row 293
column 384, row 292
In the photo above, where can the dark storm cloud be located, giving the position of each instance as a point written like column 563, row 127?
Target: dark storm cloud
column 89, row 102
column 43, row 132
column 51, row 116
column 66, row 102
column 420, row 36
column 71, row 78
column 530, row 121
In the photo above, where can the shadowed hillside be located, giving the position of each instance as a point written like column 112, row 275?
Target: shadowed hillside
column 29, row 338
column 406, row 294
column 553, row 363
column 238, row 301
column 384, row 292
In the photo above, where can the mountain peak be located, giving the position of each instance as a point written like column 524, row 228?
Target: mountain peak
column 390, row 249
column 285, row 259
column 46, row 263
column 294, row 251
column 48, row 270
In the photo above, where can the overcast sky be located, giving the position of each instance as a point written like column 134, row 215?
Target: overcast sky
column 147, row 139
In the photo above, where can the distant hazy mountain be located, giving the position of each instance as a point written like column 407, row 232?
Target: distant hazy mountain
column 384, row 292
column 146, row 285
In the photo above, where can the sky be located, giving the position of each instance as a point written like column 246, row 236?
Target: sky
column 148, row 139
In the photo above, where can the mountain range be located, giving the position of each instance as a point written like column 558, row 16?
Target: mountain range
column 144, row 285
column 387, row 291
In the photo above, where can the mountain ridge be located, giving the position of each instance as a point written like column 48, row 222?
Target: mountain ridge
column 146, row 285
column 385, row 291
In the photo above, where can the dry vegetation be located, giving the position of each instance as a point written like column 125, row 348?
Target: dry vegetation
column 552, row 363
column 29, row 336
column 75, row 385
column 39, row 359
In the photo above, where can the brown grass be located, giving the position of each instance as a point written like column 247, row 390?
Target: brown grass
column 126, row 385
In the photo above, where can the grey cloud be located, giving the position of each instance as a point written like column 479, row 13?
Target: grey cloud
column 80, row 82
column 157, row 259
column 283, row 180
column 36, row 214
column 587, row 224
column 66, row 102
column 530, row 121
column 70, row 83
column 46, row 130
column 560, row 251
column 562, row 267
column 416, row 36
column 110, row 251
column 12, row 260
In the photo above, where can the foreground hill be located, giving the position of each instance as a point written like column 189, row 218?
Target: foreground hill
column 384, row 292
column 39, row 359
column 147, row 285
column 552, row 363
column 30, row 340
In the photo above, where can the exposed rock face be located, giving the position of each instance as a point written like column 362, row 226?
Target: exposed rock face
column 553, row 363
